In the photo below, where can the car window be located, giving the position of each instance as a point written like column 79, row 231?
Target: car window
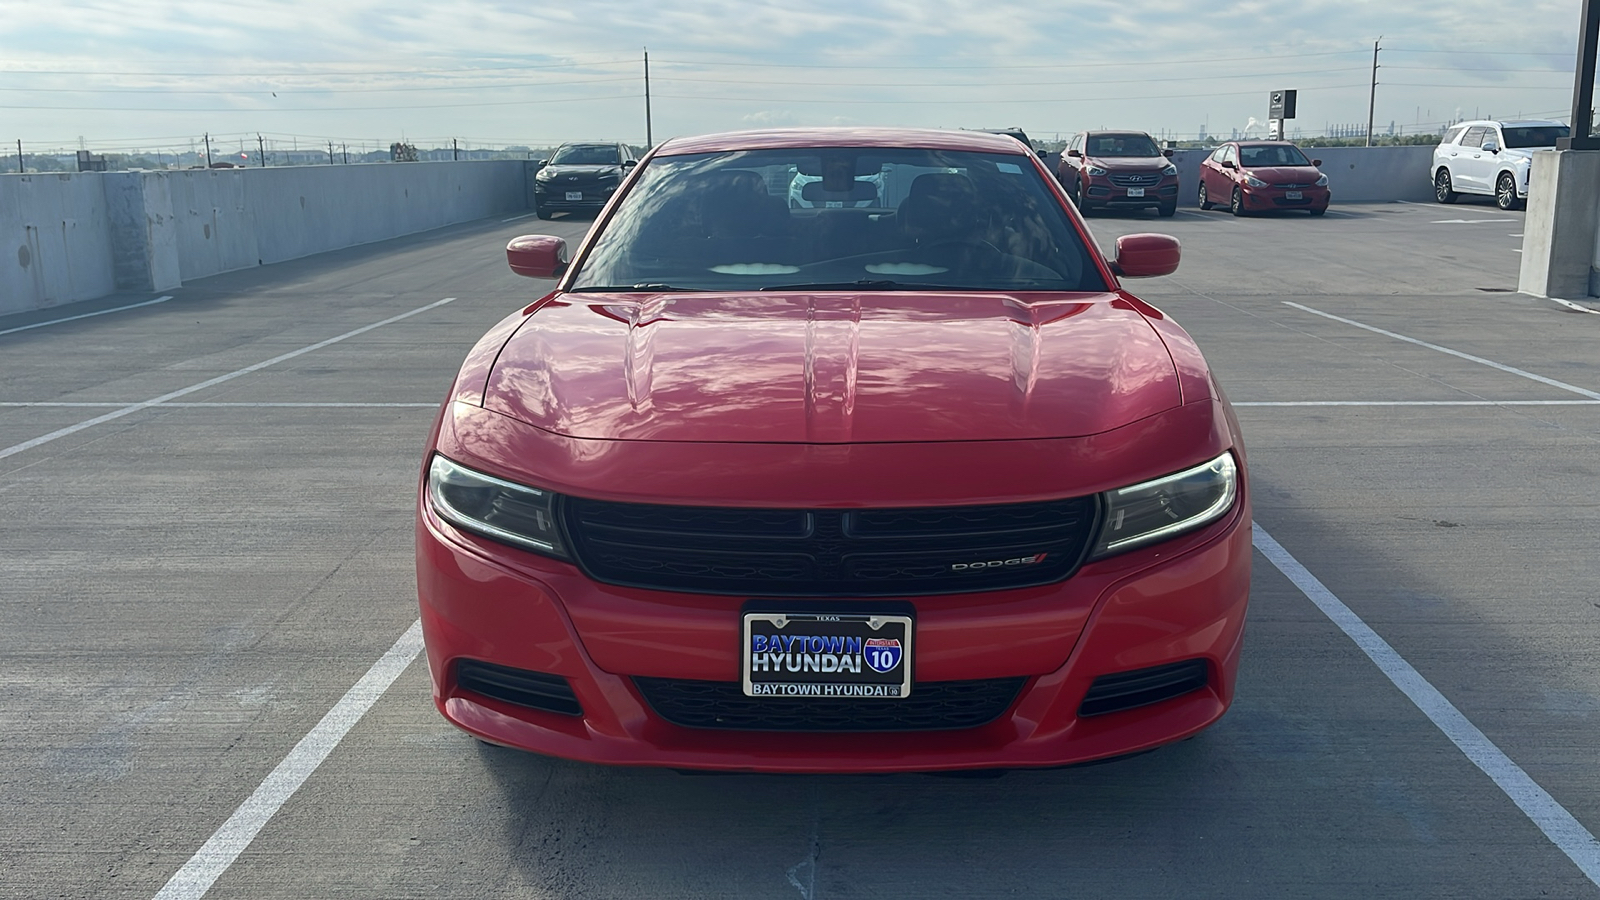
column 1474, row 137
column 1534, row 135
column 1232, row 154
column 1219, row 153
column 1273, row 155
column 586, row 155
column 1455, row 135
column 1120, row 145
column 831, row 218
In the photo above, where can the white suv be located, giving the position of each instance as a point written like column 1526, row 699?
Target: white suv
column 1490, row 158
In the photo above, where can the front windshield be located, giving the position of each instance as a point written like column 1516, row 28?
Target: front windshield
column 1534, row 135
column 1272, row 155
column 1120, row 145
column 586, row 155
column 839, row 219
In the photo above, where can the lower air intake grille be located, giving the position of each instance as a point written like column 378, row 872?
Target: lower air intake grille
column 932, row 706
column 1142, row 687
column 535, row 690
column 830, row 552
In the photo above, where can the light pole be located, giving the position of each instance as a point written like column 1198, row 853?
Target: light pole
column 1583, row 136
column 1372, row 98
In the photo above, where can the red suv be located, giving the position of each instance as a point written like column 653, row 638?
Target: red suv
column 909, row 486
column 1123, row 169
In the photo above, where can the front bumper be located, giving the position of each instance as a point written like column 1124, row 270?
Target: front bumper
column 1177, row 601
column 1272, row 197
column 1103, row 191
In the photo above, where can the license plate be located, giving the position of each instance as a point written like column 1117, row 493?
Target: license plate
column 1135, row 192
column 827, row 656
column 574, row 195
column 1291, row 195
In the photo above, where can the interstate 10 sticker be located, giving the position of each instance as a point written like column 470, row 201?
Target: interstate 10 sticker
column 826, row 656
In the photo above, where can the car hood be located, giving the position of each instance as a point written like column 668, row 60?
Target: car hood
column 585, row 171
column 1130, row 164
column 833, row 367
column 1286, row 174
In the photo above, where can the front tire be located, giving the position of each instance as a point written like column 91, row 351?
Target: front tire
column 1168, row 210
column 1443, row 191
column 1505, row 192
column 1318, row 212
column 545, row 214
column 1236, row 205
column 1205, row 199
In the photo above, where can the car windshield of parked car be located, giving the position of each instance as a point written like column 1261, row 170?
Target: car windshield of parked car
column 580, row 155
column 839, row 219
column 1534, row 135
column 1121, row 145
column 1272, row 155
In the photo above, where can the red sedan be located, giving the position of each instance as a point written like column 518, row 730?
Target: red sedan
column 1254, row 176
column 914, row 486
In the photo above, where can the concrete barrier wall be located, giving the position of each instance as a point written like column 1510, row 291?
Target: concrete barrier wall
column 80, row 236
column 1355, row 174
column 55, row 242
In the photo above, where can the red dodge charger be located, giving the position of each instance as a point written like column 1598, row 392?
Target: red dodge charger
column 902, row 480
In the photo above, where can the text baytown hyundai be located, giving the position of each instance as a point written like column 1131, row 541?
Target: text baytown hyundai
column 835, row 488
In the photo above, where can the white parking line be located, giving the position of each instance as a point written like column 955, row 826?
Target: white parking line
column 88, row 315
column 224, row 846
column 515, row 218
column 1559, row 825
column 210, row 382
column 1411, row 403
column 1592, row 395
column 203, row 405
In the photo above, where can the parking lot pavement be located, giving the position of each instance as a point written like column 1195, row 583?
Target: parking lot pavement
column 190, row 586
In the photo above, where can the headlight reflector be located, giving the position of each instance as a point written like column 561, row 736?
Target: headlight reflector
column 1095, row 170
column 1322, row 181
column 1168, row 506
column 1254, row 181
column 1169, row 169
column 497, row 509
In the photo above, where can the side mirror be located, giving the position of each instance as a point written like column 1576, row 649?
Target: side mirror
column 1167, row 153
column 544, row 162
column 537, row 255
column 629, row 163
column 1316, row 163
column 1490, row 146
column 1146, row 255
column 1075, row 154
column 1228, row 164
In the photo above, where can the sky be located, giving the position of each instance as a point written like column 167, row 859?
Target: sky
column 138, row 74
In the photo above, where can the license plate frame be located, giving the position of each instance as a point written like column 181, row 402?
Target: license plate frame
column 574, row 195
column 765, row 673
column 1135, row 192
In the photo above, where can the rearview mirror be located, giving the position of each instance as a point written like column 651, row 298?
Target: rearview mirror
column 537, row 255
column 1490, row 146
column 1075, row 154
column 1167, row 153
column 1228, row 164
column 1317, row 163
column 629, row 163
column 1146, row 255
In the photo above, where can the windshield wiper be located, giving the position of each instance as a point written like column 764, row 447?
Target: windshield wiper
column 867, row 284
column 656, row 286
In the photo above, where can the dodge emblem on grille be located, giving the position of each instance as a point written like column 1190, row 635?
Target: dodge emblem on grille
column 999, row 563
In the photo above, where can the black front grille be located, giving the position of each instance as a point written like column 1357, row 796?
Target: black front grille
column 1135, row 179
column 1142, row 687
column 535, row 690
column 932, row 706
column 830, row 553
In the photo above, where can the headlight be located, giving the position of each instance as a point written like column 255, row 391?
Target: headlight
column 1169, row 169
column 544, row 174
column 1167, row 507
column 1254, row 181
column 497, row 509
column 1095, row 170
column 1322, row 181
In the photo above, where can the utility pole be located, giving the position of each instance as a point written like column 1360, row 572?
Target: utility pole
column 261, row 145
column 649, row 136
column 20, row 169
column 208, row 149
column 455, row 150
column 1372, row 98
column 330, row 153
column 346, row 149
